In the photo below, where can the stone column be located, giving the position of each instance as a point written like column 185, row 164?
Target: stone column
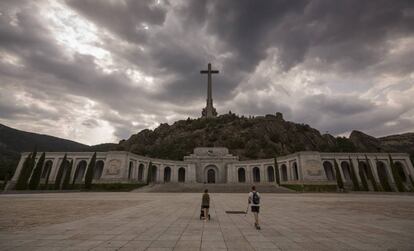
column 389, row 172
column 161, row 173
column 263, row 176
column 54, row 171
column 356, row 169
column 373, row 164
column 249, row 174
column 145, row 172
column 174, row 174
column 340, row 170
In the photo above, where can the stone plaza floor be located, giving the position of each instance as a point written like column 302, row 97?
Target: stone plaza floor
column 153, row 221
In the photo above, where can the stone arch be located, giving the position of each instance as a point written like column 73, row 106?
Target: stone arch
column 329, row 172
column 153, row 173
column 181, row 174
column 167, row 174
column 256, row 174
column 346, row 170
column 241, row 175
column 80, row 171
column 295, row 171
column 401, row 171
column 271, row 173
column 46, row 169
column 130, row 169
column 284, row 172
column 97, row 173
column 383, row 175
column 140, row 172
column 211, row 174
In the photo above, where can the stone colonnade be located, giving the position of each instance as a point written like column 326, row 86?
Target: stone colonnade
column 297, row 168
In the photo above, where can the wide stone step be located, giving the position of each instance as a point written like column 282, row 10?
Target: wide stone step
column 212, row 188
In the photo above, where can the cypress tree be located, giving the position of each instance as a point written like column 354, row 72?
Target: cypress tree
column 396, row 175
column 66, row 180
column 339, row 180
column 21, row 180
column 363, row 178
column 383, row 179
column 353, row 176
column 277, row 172
column 35, row 179
column 149, row 173
column 30, row 166
column 47, row 177
column 89, row 172
column 371, row 175
column 59, row 175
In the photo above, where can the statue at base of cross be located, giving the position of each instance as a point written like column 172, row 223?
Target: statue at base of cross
column 208, row 112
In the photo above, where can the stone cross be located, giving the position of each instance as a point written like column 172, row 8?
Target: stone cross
column 209, row 111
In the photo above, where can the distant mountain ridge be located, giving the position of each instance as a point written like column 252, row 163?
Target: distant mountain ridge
column 247, row 137
column 13, row 142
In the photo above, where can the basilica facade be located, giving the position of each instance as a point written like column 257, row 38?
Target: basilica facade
column 217, row 165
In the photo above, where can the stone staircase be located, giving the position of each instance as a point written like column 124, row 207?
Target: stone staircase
column 212, row 188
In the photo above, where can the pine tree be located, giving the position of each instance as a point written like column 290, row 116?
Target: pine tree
column 35, row 179
column 371, row 175
column 277, row 172
column 339, row 180
column 353, row 176
column 396, row 175
column 21, row 183
column 59, row 175
column 66, row 180
column 89, row 172
column 363, row 178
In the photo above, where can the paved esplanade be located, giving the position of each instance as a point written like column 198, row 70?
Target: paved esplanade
column 171, row 222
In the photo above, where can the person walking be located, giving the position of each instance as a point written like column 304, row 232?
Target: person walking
column 254, row 202
column 205, row 204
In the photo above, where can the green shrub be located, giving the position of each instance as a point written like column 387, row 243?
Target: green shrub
column 311, row 187
column 116, row 187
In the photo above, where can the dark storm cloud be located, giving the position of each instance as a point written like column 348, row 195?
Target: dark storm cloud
column 126, row 19
column 362, row 39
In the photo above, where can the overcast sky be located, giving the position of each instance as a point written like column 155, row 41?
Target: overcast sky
column 98, row 71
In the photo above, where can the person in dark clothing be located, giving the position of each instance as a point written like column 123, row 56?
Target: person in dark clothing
column 254, row 201
column 205, row 204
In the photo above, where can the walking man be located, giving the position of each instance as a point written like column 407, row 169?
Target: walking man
column 254, row 202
